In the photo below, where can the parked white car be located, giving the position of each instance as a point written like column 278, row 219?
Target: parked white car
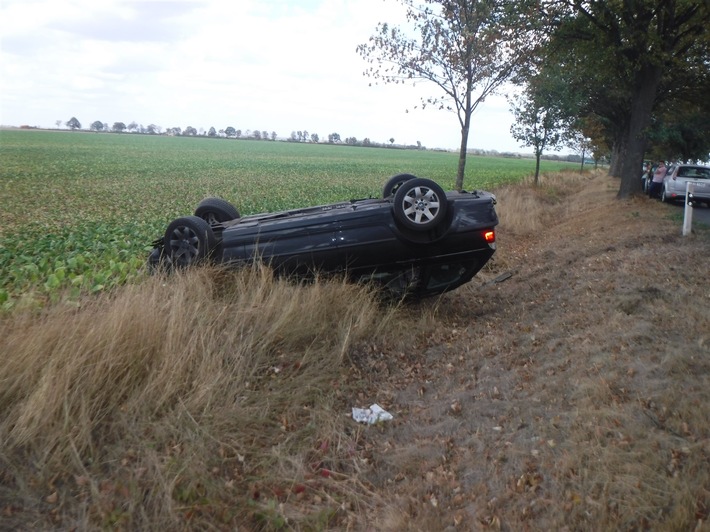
column 675, row 182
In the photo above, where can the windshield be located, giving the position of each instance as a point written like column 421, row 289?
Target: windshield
column 694, row 172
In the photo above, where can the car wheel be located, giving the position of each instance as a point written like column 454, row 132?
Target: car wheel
column 216, row 210
column 394, row 182
column 155, row 260
column 188, row 240
column 420, row 204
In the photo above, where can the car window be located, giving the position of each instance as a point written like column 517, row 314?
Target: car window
column 694, row 172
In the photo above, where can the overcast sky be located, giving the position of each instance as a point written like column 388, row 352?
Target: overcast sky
column 274, row 65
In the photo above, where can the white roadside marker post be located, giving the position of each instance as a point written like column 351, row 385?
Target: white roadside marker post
column 688, row 211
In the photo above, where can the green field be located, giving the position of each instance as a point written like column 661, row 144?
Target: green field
column 79, row 210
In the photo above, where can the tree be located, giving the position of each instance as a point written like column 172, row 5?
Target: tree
column 190, row 131
column 333, row 138
column 212, row 132
column 624, row 59
column 98, row 125
column 119, row 127
column 314, row 138
column 58, row 123
column 538, row 121
column 133, row 126
column 152, row 129
column 681, row 131
column 391, row 141
column 73, row 123
column 468, row 48
column 230, row 131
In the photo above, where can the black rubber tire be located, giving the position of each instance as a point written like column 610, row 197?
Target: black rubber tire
column 216, row 210
column 394, row 182
column 420, row 204
column 188, row 240
column 155, row 260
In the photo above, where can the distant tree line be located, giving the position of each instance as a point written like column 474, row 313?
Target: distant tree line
column 228, row 132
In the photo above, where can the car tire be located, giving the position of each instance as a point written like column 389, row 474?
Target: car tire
column 420, row 204
column 155, row 260
column 394, row 182
column 216, row 210
column 188, row 240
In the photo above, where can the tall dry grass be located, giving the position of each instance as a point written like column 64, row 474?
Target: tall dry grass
column 526, row 208
column 183, row 401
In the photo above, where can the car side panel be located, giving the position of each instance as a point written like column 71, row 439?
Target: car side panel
column 292, row 245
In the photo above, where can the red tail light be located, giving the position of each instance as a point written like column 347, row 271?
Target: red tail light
column 490, row 236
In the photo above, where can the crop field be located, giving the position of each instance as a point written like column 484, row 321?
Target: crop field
column 79, row 210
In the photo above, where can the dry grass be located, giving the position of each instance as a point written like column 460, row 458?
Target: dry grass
column 198, row 398
column 574, row 396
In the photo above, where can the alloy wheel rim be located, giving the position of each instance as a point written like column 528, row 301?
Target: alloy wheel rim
column 421, row 205
column 184, row 245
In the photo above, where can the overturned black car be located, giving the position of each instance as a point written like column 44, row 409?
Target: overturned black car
column 415, row 241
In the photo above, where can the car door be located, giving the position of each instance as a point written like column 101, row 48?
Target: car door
column 295, row 244
column 365, row 238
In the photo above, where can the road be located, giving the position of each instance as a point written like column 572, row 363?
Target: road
column 700, row 214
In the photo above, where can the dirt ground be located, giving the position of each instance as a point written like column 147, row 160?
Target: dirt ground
column 573, row 396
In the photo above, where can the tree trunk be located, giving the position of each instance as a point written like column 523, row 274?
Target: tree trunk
column 538, row 154
column 617, row 155
column 584, row 154
column 648, row 79
column 462, row 154
column 465, row 127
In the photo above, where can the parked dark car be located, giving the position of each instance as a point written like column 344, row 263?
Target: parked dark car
column 415, row 241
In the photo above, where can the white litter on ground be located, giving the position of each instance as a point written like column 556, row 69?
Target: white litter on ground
column 371, row 415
